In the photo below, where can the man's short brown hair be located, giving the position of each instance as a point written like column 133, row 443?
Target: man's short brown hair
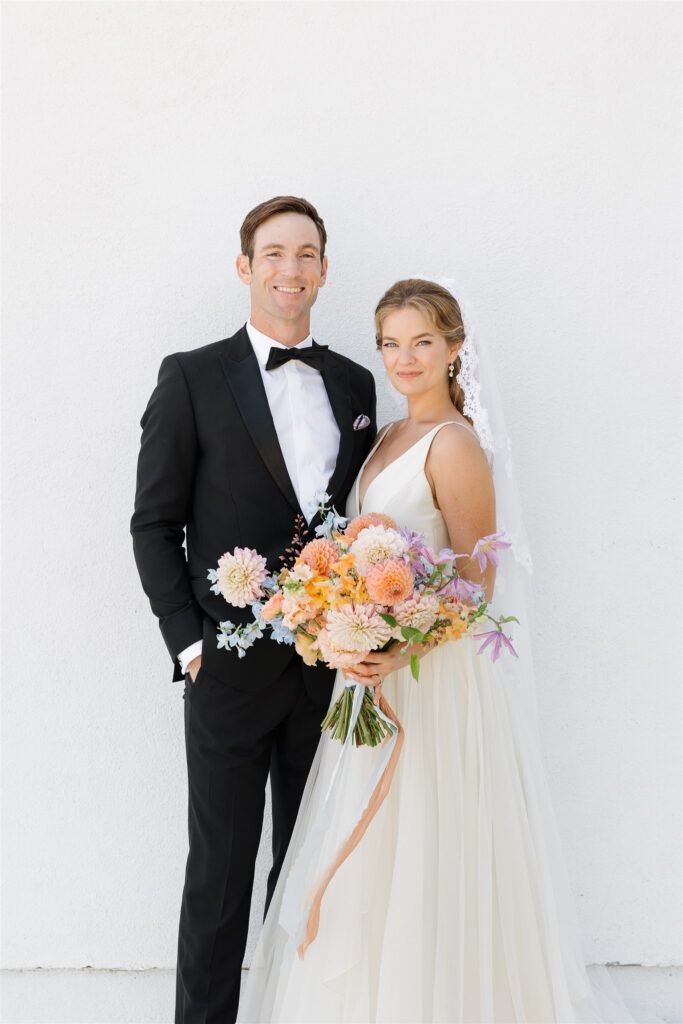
column 271, row 207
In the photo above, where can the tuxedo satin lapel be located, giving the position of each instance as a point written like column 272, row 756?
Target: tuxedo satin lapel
column 336, row 380
column 243, row 376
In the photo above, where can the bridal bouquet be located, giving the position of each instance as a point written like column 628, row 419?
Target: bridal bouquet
column 360, row 586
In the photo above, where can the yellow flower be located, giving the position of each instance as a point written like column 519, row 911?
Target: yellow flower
column 304, row 648
column 455, row 628
column 344, row 564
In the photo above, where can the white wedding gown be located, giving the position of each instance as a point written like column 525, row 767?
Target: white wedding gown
column 455, row 906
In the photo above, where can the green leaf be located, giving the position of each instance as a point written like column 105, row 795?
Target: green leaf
column 412, row 635
column 415, row 667
column 509, row 618
column 389, row 619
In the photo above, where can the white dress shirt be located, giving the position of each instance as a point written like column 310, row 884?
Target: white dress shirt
column 305, row 426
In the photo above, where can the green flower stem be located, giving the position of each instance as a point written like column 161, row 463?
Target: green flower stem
column 369, row 729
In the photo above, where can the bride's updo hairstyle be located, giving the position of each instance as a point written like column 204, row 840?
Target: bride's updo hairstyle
column 441, row 309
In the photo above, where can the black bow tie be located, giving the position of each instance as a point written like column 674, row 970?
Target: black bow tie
column 312, row 355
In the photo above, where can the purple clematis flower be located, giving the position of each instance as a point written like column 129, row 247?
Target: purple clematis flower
column 498, row 639
column 464, row 589
column 485, row 549
column 415, row 541
column 418, row 554
column 444, row 556
column 423, row 556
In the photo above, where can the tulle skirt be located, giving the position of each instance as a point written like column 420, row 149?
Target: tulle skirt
column 456, row 906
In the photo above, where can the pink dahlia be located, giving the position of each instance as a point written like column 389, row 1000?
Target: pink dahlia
column 334, row 656
column 370, row 519
column 389, row 582
column 419, row 612
column 240, row 575
column 320, row 555
column 357, row 627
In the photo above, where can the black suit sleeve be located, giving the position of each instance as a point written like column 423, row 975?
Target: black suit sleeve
column 165, row 481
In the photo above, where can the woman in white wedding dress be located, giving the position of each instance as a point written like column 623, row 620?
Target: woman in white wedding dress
column 455, row 906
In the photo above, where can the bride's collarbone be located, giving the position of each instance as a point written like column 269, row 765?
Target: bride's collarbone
column 399, row 438
column 393, row 444
column 396, row 441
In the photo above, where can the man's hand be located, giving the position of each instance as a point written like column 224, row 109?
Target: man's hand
column 194, row 666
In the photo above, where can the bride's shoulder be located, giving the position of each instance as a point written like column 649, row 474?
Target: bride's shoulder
column 457, row 468
column 456, row 439
column 453, row 434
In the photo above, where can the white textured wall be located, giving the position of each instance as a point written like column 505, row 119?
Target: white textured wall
column 528, row 149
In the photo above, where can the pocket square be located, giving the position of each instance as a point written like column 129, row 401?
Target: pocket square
column 361, row 422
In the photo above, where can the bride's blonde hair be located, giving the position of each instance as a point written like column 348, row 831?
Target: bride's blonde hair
column 440, row 307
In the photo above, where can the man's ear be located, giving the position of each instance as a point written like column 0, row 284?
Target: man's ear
column 243, row 268
column 323, row 272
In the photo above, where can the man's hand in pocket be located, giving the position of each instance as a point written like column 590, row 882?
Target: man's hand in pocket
column 194, row 666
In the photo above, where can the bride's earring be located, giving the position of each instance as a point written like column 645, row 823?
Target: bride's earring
column 451, row 369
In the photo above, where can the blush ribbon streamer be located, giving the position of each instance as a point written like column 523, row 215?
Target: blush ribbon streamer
column 299, row 914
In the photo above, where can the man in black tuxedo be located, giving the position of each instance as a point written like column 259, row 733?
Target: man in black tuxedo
column 238, row 438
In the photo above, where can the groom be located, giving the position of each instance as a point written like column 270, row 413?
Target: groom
column 237, row 439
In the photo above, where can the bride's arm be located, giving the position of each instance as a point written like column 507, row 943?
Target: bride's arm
column 462, row 486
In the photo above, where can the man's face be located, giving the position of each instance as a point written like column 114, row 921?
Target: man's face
column 286, row 270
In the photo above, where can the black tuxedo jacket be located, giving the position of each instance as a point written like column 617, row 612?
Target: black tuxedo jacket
column 211, row 473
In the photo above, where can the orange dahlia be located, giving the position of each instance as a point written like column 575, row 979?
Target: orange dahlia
column 389, row 582
column 319, row 554
column 370, row 519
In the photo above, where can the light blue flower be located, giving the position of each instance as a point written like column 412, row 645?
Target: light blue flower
column 256, row 609
column 281, row 634
column 248, row 635
column 332, row 522
column 233, row 637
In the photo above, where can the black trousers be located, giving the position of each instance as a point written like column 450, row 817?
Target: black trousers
column 233, row 741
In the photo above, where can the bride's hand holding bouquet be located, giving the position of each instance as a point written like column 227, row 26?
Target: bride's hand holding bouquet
column 365, row 597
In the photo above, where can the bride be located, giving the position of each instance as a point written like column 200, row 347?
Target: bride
column 455, row 905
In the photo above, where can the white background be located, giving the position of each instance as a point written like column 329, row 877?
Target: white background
column 529, row 150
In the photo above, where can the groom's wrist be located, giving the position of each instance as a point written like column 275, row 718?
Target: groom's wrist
column 188, row 655
column 193, row 667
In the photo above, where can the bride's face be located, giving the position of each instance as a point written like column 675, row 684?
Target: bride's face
column 415, row 357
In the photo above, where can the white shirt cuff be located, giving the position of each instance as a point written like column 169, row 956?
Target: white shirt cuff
column 189, row 654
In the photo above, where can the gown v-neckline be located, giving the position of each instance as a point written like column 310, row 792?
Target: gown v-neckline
column 375, row 447
column 359, row 504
